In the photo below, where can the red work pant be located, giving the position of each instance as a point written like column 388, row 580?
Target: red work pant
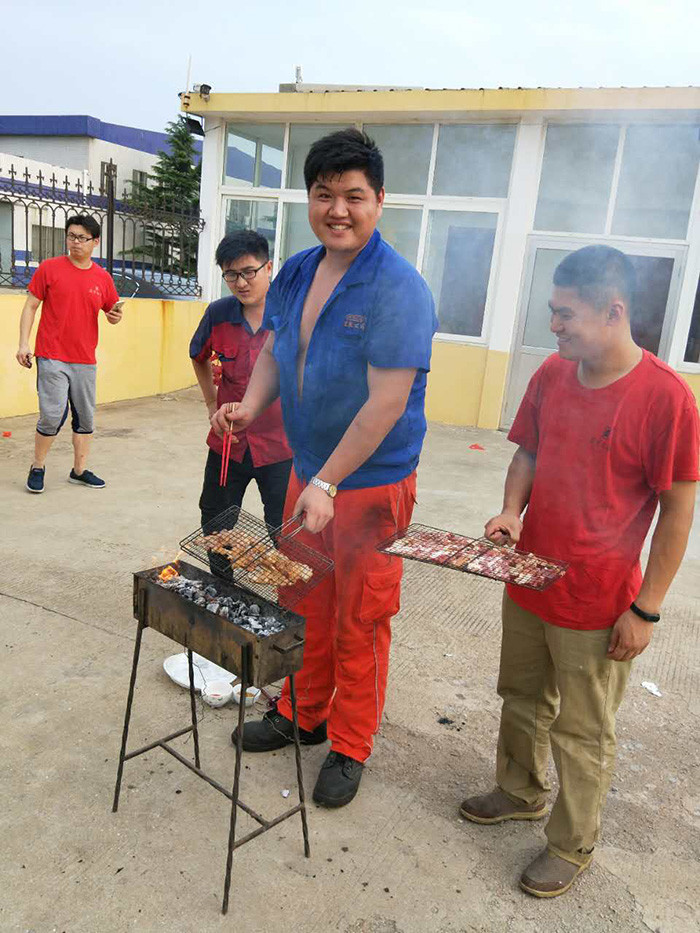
column 348, row 615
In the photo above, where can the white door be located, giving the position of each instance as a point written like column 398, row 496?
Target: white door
column 659, row 269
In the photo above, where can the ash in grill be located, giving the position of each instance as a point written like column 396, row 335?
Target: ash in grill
column 248, row 616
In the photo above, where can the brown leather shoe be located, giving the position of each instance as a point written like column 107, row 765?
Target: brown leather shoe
column 497, row 807
column 549, row 875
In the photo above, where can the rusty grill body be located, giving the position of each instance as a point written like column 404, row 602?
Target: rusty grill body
column 257, row 659
column 269, row 657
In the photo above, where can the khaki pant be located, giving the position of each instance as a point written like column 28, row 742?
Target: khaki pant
column 558, row 687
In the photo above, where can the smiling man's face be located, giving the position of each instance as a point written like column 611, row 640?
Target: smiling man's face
column 344, row 211
column 582, row 330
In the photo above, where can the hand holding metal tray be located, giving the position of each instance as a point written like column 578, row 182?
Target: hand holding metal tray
column 474, row 555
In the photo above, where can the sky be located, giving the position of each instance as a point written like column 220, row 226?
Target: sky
column 126, row 62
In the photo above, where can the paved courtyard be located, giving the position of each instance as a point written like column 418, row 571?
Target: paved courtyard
column 398, row 859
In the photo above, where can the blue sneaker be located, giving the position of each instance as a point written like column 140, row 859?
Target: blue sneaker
column 35, row 480
column 86, row 478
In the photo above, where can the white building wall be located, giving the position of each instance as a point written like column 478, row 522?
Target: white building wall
column 127, row 160
column 517, row 224
column 17, row 223
column 71, row 151
column 211, row 205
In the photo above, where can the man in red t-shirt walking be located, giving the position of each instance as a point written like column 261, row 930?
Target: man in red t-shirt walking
column 605, row 432
column 73, row 290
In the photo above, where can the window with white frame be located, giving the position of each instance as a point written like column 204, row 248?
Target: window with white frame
column 254, row 155
column 632, row 181
column 406, row 151
column 47, row 242
column 474, row 160
column 576, row 179
column 400, row 226
column 301, row 138
column 692, row 347
column 457, row 268
column 139, row 180
column 657, row 180
column 446, row 188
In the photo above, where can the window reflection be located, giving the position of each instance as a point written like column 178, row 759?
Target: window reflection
column 457, row 267
column 254, row 155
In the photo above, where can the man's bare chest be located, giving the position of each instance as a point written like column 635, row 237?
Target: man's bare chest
column 316, row 299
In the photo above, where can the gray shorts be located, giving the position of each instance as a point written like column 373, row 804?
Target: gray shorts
column 61, row 386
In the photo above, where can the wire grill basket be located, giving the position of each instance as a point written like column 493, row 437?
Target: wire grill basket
column 473, row 555
column 270, row 562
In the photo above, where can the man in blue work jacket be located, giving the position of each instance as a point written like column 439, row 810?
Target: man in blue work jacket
column 352, row 325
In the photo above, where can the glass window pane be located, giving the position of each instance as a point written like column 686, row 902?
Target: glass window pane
column 657, row 179
column 296, row 232
column 254, row 154
column 260, row 216
column 576, row 178
column 300, row 139
column 537, row 332
column 473, row 161
column 400, row 227
column 692, row 348
column 406, row 151
column 457, row 267
column 648, row 311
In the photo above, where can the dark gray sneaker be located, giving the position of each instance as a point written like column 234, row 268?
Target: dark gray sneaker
column 86, row 478
column 35, row 480
column 338, row 781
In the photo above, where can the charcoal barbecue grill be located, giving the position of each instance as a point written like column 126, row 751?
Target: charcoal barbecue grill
column 263, row 572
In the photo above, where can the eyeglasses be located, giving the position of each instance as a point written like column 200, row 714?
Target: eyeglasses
column 78, row 238
column 247, row 274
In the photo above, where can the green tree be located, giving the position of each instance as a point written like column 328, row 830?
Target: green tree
column 174, row 181
column 170, row 200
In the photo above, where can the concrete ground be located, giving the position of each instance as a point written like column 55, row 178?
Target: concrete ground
column 398, row 859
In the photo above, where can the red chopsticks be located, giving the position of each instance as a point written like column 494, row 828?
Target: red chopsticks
column 225, row 454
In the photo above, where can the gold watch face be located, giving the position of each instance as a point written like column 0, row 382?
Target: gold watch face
column 332, row 490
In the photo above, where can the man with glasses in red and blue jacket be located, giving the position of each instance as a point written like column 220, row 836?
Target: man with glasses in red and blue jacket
column 231, row 334
column 352, row 325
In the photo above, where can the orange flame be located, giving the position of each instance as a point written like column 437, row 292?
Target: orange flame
column 167, row 573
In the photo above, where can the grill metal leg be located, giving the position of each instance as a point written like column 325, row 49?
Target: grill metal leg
column 193, row 707
column 236, row 780
column 127, row 715
column 297, row 753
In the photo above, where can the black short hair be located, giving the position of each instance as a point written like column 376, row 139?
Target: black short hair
column 598, row 273
column 84, row 220
column 344, row 151
column 242, row 243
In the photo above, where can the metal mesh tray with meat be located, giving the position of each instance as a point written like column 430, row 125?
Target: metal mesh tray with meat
column 474, row 555
column 270, row 562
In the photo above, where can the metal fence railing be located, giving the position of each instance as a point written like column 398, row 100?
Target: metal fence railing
column 151, row 252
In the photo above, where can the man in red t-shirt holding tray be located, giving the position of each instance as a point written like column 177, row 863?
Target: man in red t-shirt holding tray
column 605, row 433
column 73, row 290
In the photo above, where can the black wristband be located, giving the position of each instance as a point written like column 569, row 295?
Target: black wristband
column 647, row 616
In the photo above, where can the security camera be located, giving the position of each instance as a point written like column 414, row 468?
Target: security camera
column 204, row 90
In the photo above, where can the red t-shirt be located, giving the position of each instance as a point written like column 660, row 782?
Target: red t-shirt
column 72, row 299
column 224, row 332
column 603, row 457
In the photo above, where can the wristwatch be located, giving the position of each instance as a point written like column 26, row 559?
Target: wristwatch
column 328, row 488
column 647, row 616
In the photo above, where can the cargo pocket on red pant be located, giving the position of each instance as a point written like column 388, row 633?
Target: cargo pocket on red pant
column 381, row 594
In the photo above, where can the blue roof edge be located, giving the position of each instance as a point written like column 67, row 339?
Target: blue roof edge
column 83, row 125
